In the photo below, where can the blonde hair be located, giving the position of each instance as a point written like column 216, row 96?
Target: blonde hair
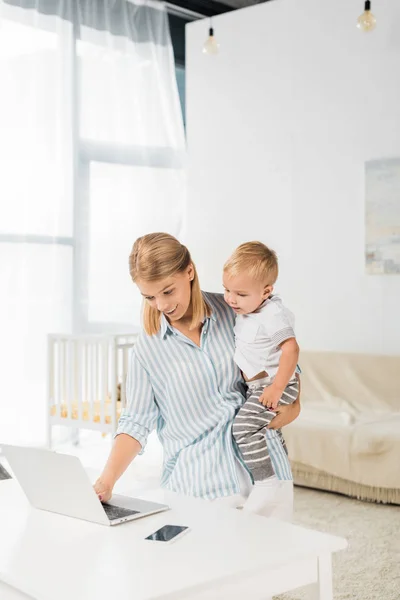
column 159, row 255
column 256, row 259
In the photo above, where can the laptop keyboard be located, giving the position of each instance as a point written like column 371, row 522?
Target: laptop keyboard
column 117, row 512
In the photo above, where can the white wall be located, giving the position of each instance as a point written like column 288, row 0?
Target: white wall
column 280, row 124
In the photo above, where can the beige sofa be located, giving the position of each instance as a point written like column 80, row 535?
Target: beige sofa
column 347, row 437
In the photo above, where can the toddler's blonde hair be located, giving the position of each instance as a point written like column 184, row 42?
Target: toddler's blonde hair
column 256, row 259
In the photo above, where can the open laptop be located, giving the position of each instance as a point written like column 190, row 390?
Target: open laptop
column 59, row 483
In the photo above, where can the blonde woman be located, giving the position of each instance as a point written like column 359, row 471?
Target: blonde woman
column 184, row 382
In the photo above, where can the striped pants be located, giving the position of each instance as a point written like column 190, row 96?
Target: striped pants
column 250, row 424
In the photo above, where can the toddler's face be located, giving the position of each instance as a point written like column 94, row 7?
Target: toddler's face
column 243, row 293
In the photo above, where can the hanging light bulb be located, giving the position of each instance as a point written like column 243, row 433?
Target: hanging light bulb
column 211, row 45
column 366, row 21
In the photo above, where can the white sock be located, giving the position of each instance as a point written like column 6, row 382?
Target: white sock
column 262, row 496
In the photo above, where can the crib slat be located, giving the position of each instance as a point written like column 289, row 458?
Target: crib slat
column 114, row 383
column 102, row 368
column 89, row 367
column 78, row 377
column 68, row 376
column 50, row 389
column 60, row 357
column 86, row 383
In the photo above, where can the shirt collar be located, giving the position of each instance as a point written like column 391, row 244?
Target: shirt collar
column 271, row 298
column 165, row 326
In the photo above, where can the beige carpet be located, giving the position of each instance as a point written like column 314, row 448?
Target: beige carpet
column 370, row 568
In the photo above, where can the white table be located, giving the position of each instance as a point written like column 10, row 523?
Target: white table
column 227, row 554
column 10, row 593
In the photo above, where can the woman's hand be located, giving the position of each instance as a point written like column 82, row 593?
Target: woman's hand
column 124, row 450
column 103, row 489
column 286, row 414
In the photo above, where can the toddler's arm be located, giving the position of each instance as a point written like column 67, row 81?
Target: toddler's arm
column 287, row 366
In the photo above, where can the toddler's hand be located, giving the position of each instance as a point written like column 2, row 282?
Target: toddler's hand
column 270, row 397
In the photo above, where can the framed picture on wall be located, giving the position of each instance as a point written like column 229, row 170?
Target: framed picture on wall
column 382, row 216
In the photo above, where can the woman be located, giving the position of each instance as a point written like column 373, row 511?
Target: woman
column 183, row 381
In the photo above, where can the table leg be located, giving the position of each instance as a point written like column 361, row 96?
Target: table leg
column 323, row 589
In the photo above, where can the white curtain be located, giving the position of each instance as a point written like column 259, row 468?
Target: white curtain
column 91, row 157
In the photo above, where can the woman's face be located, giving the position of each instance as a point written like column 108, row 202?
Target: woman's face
column 171, row 295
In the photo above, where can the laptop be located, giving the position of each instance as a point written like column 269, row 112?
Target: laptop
column 58, row 483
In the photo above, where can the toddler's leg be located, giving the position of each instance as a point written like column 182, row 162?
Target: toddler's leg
column 271, row 497
column 249, row 429
column 276, row 502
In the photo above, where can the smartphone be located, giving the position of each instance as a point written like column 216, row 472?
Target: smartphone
column 168, row 533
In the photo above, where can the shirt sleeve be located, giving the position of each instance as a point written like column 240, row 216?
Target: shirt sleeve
column 280, row 328
column 141, row 413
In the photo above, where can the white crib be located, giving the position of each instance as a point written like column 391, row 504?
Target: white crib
column 86, row 381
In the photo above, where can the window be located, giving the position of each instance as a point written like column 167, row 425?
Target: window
column 125, row 189
column 177, row 31
column 180, row 79
column 76, row 189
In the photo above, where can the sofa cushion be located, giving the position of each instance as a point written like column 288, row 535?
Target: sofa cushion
column 363, row 450
column 356, row 383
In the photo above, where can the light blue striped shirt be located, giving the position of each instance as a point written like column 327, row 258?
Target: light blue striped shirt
column 191, row 395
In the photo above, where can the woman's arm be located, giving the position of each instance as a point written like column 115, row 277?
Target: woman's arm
column 286, row 414
column 124, row 450
column 137, row 421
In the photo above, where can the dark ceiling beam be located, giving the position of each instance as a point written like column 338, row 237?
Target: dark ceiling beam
column 208, row 8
